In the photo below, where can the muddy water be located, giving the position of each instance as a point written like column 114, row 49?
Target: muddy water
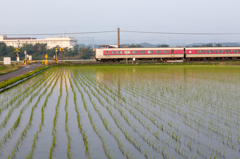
column 136, row 112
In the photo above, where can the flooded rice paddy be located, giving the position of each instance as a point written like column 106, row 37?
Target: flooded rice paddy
column 123, row 112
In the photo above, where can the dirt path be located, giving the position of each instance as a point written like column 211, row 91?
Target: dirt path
column 19, row 72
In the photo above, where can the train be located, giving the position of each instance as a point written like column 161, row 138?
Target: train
column 115, row 54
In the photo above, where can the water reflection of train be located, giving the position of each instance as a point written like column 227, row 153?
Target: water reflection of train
column 113, row 53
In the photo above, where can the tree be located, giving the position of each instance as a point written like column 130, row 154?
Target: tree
column 133, row 45
column 86, row 52
column 218, row 45
column 208, row 45
column 163, row 45
column 3, row 49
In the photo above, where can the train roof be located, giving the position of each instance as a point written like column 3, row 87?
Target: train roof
column 144, row 48
column 211, row 48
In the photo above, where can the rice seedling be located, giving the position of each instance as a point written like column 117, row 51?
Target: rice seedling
column 156, row 111
column 23, row 95
column 31, row 152
column 69, row 153
column 16, row 123
column 4, row 122
column 24, row 132
column 54, row 133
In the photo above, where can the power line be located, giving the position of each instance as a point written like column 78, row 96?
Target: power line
column 61, row 33
column 146, row 32
column 126, row 31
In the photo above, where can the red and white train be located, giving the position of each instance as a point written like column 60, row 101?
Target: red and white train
column 176, row 53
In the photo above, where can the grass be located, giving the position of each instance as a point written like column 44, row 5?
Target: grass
column 4, row 69
column 15, row 79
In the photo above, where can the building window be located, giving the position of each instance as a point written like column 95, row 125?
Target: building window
column 119, row 52
column 143, row 52
column 165, row 51
column 150, row 52
column 127, row 52
column 157, row 51
column 209, row 51
column 135, row 52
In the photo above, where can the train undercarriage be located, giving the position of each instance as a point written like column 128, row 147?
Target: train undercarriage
column 167, row 59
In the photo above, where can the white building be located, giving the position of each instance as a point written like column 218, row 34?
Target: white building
column 63, row 42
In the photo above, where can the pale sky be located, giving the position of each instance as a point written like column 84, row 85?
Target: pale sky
column 59, row 16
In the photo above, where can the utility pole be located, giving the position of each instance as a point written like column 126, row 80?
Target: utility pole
column 118, row 36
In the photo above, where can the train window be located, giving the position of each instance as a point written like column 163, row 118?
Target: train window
column 235, row 51
column 200, row 51
column 218, row 51
column 119, row 52
column 157, row 51
column 238, row 50
column 150, row 52
column 228, row 51
column 106, row 52
column 135, row 52
column 172, row 51
column 142, row 52
column 127, row 52
column 165, row 52
column 209, row 51
column 113, row 52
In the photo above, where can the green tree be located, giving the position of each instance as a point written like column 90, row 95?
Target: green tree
column 86, row 52
column 133, row 45
column 163, row 45
column 208, row 45
column 218, row 45
column 3, row 50
column 196, row 46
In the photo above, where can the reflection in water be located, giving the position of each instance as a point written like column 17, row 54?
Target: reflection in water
column 126, row 112
column 202, row 100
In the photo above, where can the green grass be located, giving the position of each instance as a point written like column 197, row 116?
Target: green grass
column 7, row 69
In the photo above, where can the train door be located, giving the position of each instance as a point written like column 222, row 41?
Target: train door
column 184, row 52
column 172, row 53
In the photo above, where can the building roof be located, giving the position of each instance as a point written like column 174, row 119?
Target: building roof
column 24, row 38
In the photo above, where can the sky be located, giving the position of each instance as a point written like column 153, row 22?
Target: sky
column 76, row 16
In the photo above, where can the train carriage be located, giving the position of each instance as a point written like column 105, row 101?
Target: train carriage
column 180, row 53
column 116, row 54
column 212, row 53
